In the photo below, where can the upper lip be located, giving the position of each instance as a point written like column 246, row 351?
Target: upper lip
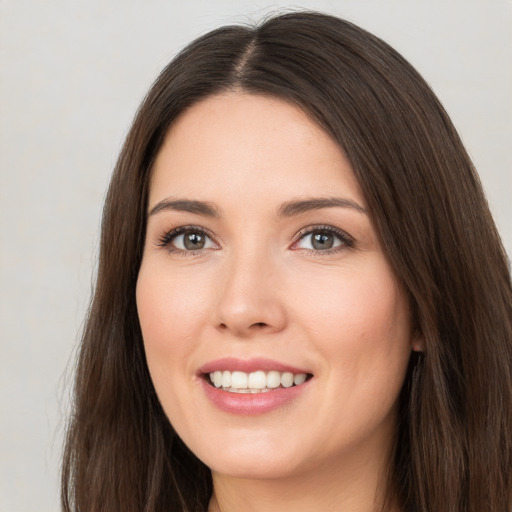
column 248, row 365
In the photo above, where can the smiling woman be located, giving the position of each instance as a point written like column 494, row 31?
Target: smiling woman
column 284, row 296
column 302, row 301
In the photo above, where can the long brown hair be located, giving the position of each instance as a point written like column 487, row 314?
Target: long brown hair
column 453, row 448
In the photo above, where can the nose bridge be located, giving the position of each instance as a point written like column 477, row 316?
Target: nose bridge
column 249, row 301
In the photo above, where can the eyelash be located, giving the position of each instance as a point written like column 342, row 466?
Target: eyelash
column 347, row 241
column 167, row 238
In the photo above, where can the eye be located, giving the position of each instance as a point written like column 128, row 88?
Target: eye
column 323, row 239
column 187, row 239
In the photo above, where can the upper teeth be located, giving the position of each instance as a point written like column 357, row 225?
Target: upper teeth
column 260, row 380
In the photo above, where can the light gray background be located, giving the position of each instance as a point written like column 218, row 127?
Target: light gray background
column 71, row 76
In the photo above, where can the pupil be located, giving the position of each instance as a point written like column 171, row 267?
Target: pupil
column 322, row 241
column 193, row 241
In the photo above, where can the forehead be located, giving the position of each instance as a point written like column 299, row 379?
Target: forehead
column 234, row 143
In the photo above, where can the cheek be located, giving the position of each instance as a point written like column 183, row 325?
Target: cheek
column 171, row 314
column 170, row 305
column 170, row 317
column 365, row 305
column 360, row 322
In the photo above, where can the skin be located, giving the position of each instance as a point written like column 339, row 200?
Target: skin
column 258, row 289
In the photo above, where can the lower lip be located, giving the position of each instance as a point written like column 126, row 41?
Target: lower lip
column 251, row 404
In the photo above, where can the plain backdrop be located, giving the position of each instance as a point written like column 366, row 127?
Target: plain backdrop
column 71, row 76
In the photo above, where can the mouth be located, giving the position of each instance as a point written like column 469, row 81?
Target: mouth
column 253, row 386
column 254, row 382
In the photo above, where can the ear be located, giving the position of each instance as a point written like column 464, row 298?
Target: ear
column 417, row 342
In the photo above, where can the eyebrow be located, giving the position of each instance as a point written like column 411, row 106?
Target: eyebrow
column 287, row 209
column 291, row 208
column 186, row 205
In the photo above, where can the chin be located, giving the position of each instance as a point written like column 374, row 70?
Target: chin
column 260, row 458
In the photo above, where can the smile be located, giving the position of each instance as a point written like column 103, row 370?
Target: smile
column 255, row 382
column 254, row 386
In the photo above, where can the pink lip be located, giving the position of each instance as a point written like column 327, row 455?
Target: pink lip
column 249, row 404
column 250, row 365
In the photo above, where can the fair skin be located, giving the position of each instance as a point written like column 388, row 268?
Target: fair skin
column 273, row 261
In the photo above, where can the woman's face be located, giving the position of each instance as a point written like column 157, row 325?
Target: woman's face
column 263, row 272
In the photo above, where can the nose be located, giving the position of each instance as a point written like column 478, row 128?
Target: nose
column 250, row 301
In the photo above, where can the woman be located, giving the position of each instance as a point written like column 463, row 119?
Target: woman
column 302, row 300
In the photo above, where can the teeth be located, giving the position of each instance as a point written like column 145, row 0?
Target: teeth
column 255, row 382
column 287, row 380
column 216, row 379
column 226, row 379
column 273, row 379
column 238, row 380
column 299, row 379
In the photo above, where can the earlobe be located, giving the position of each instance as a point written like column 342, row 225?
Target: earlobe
column 418, row 343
